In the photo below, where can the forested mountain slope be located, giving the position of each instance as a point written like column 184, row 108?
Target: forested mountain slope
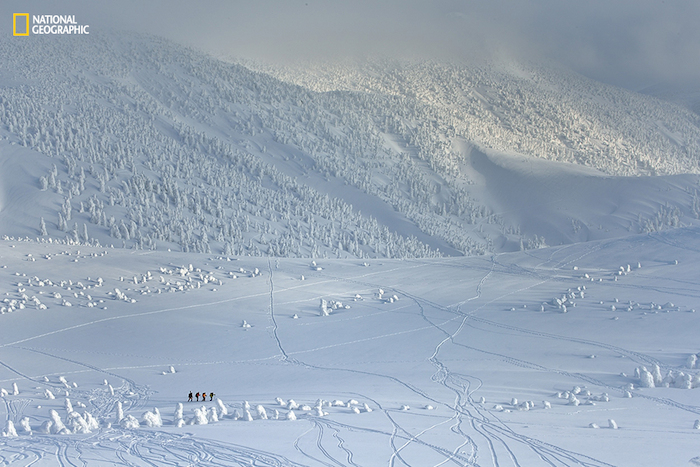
column 141, row 143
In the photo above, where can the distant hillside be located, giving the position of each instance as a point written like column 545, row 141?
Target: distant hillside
column 536, row 110
column 141, row 143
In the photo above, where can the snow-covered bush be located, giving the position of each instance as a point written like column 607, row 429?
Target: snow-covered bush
column 76, row 423
column 46, row 427
column 91, row 421
column 129, row 423
column 152, row 419
column 200, row 416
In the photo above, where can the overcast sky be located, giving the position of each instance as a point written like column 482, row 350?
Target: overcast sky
column 631, row 43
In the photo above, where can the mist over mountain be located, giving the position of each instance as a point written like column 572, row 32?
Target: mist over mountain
column 457, row 226
column 142, row 143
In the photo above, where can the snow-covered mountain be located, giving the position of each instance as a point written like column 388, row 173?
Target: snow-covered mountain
column 485, row 264
column 141, row 143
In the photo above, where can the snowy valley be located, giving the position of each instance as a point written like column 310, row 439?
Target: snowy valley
column 377, row 263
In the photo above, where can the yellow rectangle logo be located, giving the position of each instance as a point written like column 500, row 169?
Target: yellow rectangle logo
column 23, row 21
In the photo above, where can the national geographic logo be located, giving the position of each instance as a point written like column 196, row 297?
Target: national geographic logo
column 47, row 25
column 20, row 24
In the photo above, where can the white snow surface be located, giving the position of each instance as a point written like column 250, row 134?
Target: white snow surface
column 462, row 329
column 577, row 202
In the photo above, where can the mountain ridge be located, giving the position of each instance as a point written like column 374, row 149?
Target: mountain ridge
column 159, row 146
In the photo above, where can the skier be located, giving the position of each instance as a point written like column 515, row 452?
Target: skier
column 197, row 396
column 190, row 397
column 211, row 396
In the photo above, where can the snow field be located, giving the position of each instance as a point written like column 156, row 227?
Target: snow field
column 464, row 365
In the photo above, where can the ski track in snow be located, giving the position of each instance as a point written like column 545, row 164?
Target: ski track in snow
column 134, row 396
column 481, row 430
column 496, row 427
column 398, row 431
column 493, row 429
column 134, row 448
column 272, row 313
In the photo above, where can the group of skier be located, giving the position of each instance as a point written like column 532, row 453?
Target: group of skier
column 204, row 396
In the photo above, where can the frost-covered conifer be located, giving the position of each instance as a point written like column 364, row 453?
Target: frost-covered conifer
column 222, row 407
column 179, row 412
column 656, row 373
column 9, row 431
column 24, row 424
column 57, row 425
column 646, row 379
column 120, row 411
column 77, row 423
